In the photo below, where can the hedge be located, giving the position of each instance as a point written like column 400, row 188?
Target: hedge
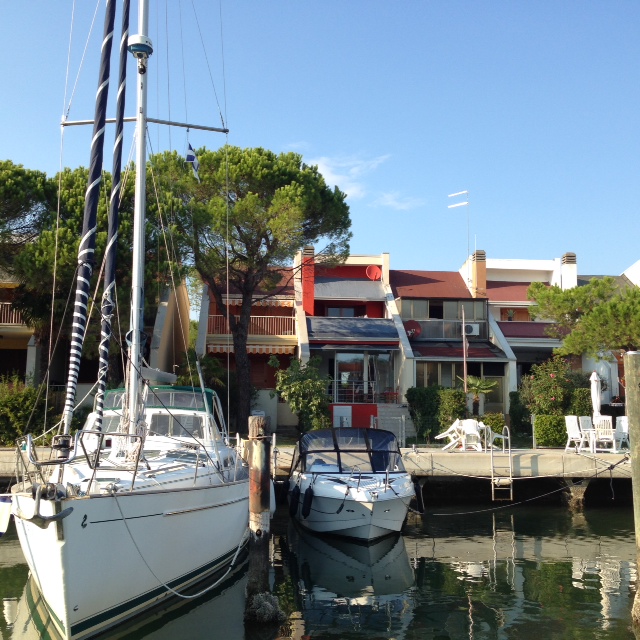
column 550, row 431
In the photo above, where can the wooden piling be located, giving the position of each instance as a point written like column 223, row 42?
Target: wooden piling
column 632, row 389
column 261, row 605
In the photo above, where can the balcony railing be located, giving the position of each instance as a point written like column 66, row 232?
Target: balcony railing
column 9, row 315
column 451, row 329
column 258, row 325
column 357, row 392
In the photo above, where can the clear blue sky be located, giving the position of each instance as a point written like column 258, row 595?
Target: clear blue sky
column 531, row 106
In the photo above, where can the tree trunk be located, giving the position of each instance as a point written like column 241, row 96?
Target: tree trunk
column 240, row 331
column 243, row 373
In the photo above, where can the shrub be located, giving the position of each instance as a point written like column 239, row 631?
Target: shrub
column 549, row 388
column 580, row 403
column 22, row 409
column 550, row 431
column 453, row 405
column 423, row 406
column 494, row 420
column 305, row 389
column 518, row 413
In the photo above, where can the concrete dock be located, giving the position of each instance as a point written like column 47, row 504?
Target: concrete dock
column 526, row 463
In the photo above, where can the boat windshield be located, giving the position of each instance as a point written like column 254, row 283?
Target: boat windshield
column 347, row 450
column 177, row 426
column 164, row 398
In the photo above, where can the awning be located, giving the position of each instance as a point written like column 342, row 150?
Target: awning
column 453, row 351
column 357, row 347
column 267, row 349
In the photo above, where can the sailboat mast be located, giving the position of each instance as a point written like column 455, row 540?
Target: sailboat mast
column 141, row 47
column 108, row 296
column 86, row 249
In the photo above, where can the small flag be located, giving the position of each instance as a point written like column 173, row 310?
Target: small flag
column 191, row 157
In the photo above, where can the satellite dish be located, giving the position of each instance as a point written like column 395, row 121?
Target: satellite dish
column 413, row 329
column 374, row 272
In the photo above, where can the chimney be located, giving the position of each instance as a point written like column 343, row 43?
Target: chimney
column 479, row 274
column 569, row 271
column 308, row 280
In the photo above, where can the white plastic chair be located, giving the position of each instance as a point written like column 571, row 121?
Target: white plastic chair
column 471, row 436
column 586, row 426
column 453, row 433
column 604, row 434
column 576, row 438
column 621, row 434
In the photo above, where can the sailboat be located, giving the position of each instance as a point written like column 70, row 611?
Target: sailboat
column 109, row 528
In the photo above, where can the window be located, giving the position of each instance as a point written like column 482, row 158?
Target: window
column 341, row 312
column 414, row 309
column 436, row 309
column 448, row 375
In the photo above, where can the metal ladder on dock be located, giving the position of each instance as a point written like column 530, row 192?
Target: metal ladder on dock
column 502, row 469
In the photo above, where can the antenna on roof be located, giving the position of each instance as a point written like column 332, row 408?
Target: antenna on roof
column 464, row 204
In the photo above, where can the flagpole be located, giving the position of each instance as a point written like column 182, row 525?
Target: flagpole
column 464, row 352
column 455, row 206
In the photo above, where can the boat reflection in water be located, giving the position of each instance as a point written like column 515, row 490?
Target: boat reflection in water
column 176, row 618
column 345, row 586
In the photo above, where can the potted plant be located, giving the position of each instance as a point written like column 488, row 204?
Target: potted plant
column 478, row 386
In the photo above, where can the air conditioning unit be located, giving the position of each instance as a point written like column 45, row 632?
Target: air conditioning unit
column 471, row 329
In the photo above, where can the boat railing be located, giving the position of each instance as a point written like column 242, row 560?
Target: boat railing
column 83, row 447
column 355, row 469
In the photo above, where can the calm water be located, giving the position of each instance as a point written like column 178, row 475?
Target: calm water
column 536, row 573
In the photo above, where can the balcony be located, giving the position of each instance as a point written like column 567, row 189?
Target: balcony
column 450, row 330
column 9, row 316
column 258, row 325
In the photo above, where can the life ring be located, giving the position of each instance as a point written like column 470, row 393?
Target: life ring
column 306, row 502
column 294, row 499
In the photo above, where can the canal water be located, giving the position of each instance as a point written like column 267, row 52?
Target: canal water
column 537, row 573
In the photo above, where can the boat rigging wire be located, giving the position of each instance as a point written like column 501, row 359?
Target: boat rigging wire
column 67, row 108
column 206, row 57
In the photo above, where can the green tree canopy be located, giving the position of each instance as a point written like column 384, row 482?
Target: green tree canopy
column 25, row 199
column 593, row 319
column 251, row 212
column 52, row 255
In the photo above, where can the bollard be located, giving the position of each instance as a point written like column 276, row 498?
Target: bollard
column 632, row 389
column 261, row 605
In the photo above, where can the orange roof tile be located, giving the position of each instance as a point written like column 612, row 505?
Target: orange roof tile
column 498, row 291
column 428, row 284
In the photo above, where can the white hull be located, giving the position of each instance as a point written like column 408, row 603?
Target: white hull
column 95, row 569
column 365, row 512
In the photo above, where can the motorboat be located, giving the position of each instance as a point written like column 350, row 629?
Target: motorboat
column 349, row 482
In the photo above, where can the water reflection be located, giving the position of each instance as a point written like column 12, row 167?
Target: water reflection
column 525, row 574
column 357, row 587
column 516, row 573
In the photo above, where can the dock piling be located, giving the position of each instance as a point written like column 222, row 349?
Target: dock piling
column 261, row 605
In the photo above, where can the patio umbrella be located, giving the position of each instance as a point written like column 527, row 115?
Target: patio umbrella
column 595, row 393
